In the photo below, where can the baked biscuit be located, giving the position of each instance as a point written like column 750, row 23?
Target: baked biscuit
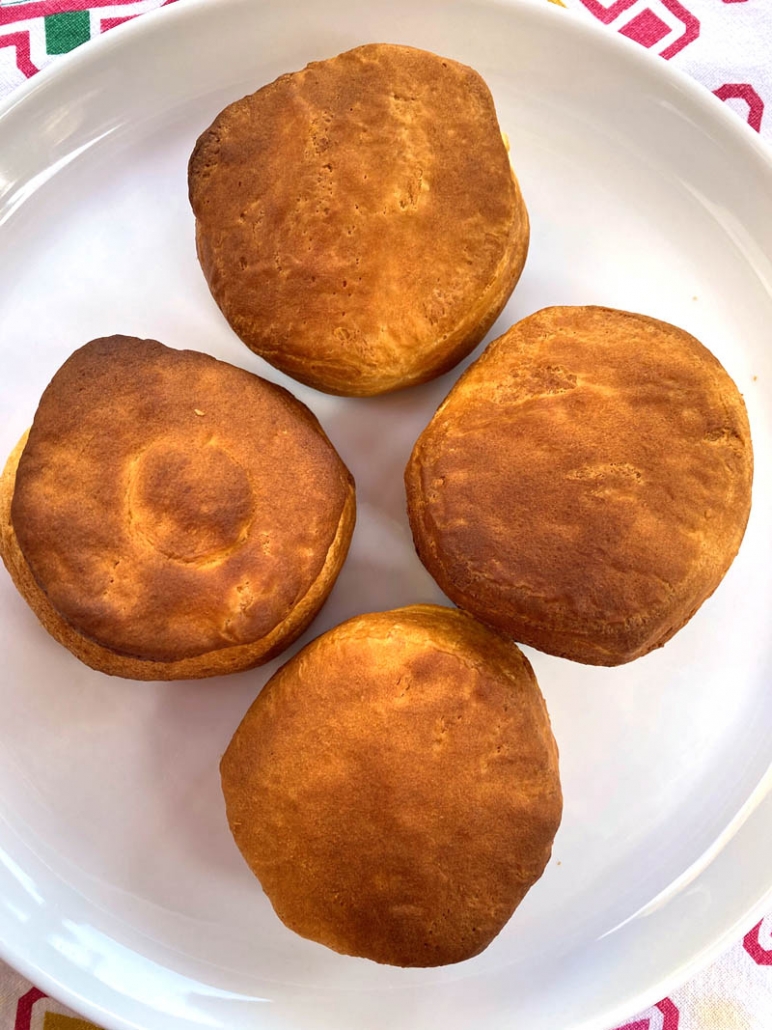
column 171, row 516
column 395, row 786
column 358, row 222
column 586, row 484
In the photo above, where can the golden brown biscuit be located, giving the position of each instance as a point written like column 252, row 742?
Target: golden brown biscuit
column 358, row 222
column 395, row 786
column 586, row 484
column 171, row 516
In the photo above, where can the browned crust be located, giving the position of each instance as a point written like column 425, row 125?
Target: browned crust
column 358, row 222
column 586, row 484
column 64, row 580
column 395, row 786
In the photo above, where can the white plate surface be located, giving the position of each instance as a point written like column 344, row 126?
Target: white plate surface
column 120, row 888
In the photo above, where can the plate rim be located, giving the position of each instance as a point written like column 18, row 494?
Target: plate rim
column 133, row 32
column 145, row 23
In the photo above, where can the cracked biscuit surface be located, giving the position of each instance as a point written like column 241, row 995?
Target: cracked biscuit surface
column 586, row 484
column 395, row 786
column 172, row 516
column 358, row 222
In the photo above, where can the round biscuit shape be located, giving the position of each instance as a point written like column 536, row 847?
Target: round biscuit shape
column 358, row 222
column 395, row 786
column 170, row 515
column 586, row 483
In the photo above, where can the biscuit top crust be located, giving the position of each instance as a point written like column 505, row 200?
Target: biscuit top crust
column 395, row 786
column 355, row 217
column 586, row 483
column 169, row 504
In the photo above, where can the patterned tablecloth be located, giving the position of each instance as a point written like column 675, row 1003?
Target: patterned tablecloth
column 726, row 45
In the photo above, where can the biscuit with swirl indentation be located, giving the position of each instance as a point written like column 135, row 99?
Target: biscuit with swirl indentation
column 171, row 516
column 358, row 222
column 395, row 786
column 586, row 484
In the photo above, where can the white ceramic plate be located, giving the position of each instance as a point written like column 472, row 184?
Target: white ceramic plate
column 121, row 891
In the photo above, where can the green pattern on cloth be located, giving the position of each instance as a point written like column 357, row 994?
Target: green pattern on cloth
column 66, row 31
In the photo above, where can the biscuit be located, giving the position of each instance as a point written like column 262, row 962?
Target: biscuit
column 586, row 484
column 170, row 516
column 358, row 222
column 395, row 786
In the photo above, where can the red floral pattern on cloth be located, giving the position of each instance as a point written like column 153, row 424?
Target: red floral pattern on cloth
column 726, row 45
column 650, row 24
column 665, row 1017
column 34, row 33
